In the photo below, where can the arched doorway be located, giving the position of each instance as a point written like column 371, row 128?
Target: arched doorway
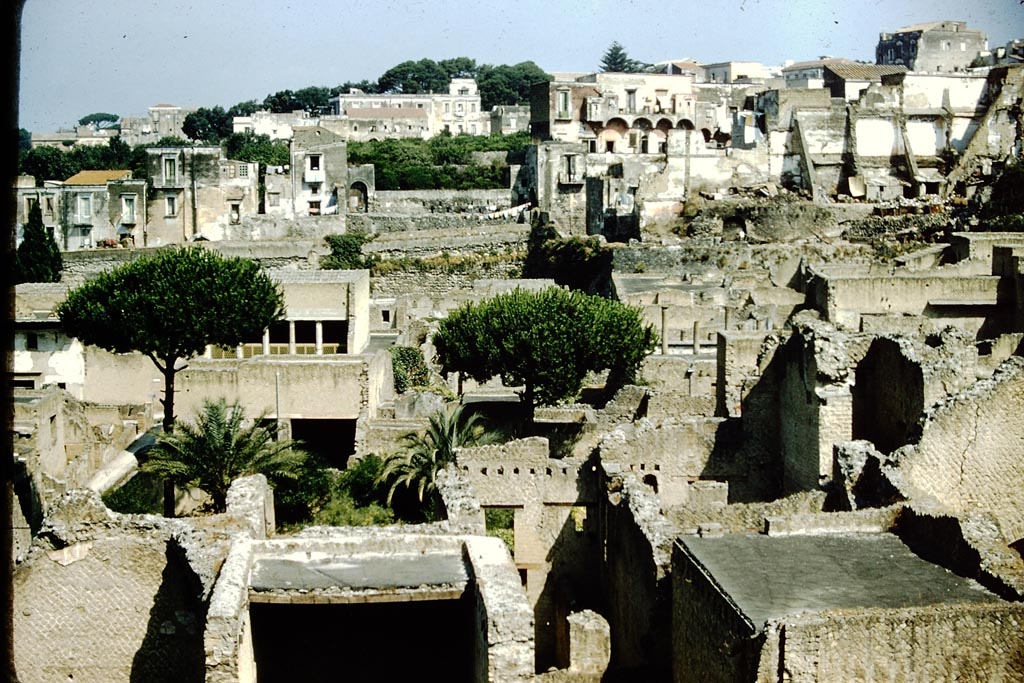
column 358, row 198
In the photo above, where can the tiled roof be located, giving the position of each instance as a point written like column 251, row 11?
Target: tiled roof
column 97, row 177
column 865, row 72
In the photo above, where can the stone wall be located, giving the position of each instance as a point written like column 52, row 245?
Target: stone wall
column 409, row 202
column 937, row 642
column 635, row 575
column 968, row 454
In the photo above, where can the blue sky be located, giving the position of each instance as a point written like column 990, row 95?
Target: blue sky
column 123, row 56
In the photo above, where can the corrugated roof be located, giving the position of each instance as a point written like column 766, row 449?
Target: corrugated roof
column 865, row 72
column 97, row 177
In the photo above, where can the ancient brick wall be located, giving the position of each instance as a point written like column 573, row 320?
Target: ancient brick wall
column 111, row 609
column 969, row 453
column 935, row 643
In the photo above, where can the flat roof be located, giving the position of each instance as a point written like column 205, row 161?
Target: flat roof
column 316, row 570
column 771, row 577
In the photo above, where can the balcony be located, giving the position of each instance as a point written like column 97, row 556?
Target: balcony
column 317, row 176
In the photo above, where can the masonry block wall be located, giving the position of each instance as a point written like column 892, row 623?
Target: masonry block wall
column 937, row 642
column 635, row 574
column 112, row 609
column 968, row 457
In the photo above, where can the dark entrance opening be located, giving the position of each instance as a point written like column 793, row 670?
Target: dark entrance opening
column 391, row 641
column 888, row 397
column 332, row 440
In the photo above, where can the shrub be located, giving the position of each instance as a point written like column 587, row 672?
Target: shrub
column 410, row 369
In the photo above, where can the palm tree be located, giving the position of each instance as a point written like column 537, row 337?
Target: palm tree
column 219, row 448
column 426, row 454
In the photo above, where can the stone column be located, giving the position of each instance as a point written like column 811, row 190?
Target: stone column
column 239, row 352
column 291, row 337
column 266, row 342
column 319, row 338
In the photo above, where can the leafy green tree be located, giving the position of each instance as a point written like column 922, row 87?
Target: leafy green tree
column 257, row 148
column 505, row 84
column 38, row 257
column 207, row 125
column 170, row 306
column 617, row 60
column 24, row 140
column 247, row 108
column 410, row 77
column 425, row 454
column 363, row 85
column 545, row 341
column 218, row 448
column 48, row 163
column 409, row 368
column 100, row 120
column 458, row 67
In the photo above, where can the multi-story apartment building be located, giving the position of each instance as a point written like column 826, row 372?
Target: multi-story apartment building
column 162, row 121
column 936, row 46
column 373, row 116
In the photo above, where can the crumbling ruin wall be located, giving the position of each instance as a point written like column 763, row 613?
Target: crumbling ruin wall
column 106, row 597
column 637, row 550
column 555, row 529
column 968, row 457
column 668, row 454
column 970, row 642
column 113, row 608
column 705, row 625
column 413, row 202
column 680, row 385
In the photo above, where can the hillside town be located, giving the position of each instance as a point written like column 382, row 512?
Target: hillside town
column 727, row 358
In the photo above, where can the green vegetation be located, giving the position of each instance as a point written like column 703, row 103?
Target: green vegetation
column 409, row 368
column 170, row 306
column 545, row 341
column 38, row 257
column 50, row 163
column 415, row 467
column 579, row 263
column 347, row 251
column 442, row 162
column 220, row 447
column 500, row 523
column 100, row 119
column 140, row 495
column 616, row 59
column 355, row 499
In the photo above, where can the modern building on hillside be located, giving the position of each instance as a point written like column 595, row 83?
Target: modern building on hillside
column 162, row 121
column 457, row 111
column 933, row 46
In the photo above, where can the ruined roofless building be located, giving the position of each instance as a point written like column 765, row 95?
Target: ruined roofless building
column 934, row 46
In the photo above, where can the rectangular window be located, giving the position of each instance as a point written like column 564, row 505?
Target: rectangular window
column 128, row 208
column 171, row 206
column 243, row 170
column 84, row 206
column 236, row 213
column 32, row 341
column 458, row 108
column 170, row 171
column 314, row 162
column 30, row 203
column 314, row 188
column 447, row 107
column 631, row 100
column 563, row 104
column 274, row 198
column 49, row 205
column 314, row 208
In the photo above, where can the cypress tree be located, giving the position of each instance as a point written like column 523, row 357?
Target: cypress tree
column 38, row 258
